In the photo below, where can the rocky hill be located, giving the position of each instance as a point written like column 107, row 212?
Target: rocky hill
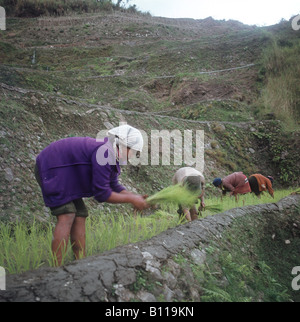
column 77, row 75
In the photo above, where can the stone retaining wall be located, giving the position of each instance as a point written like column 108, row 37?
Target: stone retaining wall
column 123, row 273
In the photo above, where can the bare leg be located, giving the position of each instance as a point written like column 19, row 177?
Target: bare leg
column 193, row 212
column 61, row 236
column 78, row 237
column 187, row 214
column 236, row 198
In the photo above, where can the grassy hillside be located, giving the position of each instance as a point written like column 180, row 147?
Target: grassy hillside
column 76, row 75
column 36, row 8
column 282, row 92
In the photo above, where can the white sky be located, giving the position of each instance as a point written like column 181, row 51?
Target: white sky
column 251, row 12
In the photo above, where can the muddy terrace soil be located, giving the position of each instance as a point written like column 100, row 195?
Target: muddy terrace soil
column 119, row 275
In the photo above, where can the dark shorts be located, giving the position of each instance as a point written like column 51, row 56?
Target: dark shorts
column 181, row 207
column 254, row 185
column 192, row 189
column 76, row 207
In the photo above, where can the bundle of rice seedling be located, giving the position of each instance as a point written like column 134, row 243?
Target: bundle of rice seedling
column 213, row 208
column 174, row 195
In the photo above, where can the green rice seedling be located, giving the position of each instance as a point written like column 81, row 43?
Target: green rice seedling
column 104, row 232
column 174, row 195
column 22, row 246
column 25, row 246
column 228, row 202
column 213, row 208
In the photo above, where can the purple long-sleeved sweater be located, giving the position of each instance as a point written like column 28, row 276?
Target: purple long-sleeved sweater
column 69, row 170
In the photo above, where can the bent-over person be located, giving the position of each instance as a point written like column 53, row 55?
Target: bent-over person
column 260, row 183
column 235, row 183
column 194, row 181
column 80, row 167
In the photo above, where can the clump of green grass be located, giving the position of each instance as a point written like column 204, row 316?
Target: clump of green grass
column 24, row 247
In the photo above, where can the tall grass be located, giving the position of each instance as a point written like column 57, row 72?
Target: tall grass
column 281, row 94
column 26, row 246
column 107, row 232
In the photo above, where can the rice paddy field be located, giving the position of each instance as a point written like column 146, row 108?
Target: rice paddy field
column 27, row 246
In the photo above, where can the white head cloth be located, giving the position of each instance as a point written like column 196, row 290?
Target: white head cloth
column 128, row 136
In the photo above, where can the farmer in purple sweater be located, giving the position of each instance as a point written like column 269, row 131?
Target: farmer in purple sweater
column 78, row 167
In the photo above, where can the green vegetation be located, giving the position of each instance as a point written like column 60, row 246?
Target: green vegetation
column 253, row 262
column 217, row 110
column 175, row 195
column 27, row 246
column 35, row 8
column 248, row 199
column 278, row 142
column 281, row 94
column 243, row 281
